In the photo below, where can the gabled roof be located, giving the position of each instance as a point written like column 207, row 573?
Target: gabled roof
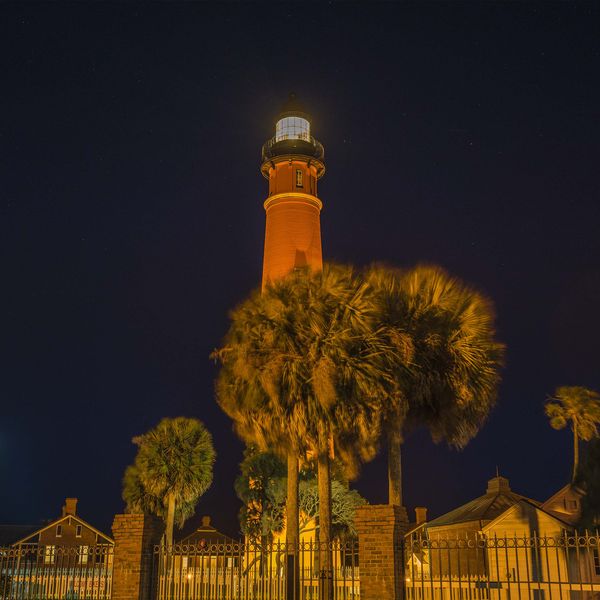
column 553, row 505
column 206, row 534
column 524, row 502
column 79, row 520
column 415, row 528
column 493, row 503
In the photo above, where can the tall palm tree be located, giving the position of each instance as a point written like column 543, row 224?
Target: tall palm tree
column 443, row 331
column 580, row 407
column 303, row 372
column 173, row 467
column 247, row 386
column 588, row 479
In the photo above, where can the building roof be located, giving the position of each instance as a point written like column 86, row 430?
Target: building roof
column 31, row 534
column 68, row 512
column 565, row 504
column 206, row 534
column 494, row 502
column 293, row 107
column 414, row 529
column 524, row 503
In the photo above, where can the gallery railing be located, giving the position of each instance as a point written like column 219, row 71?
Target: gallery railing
column 306, row 145
column 251, row 571
column 50, row 572
column 478, row 567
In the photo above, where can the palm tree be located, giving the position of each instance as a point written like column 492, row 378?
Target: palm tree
column 588, row 479
column 261, row 486
column 579, row 406
column 303, row 372
column 245, row 391
column 246, row 388
column 172, row 469
column 446, row 360
column 139, row 500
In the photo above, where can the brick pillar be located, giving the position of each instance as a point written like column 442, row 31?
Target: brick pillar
column 135, row 537
column 381, row 531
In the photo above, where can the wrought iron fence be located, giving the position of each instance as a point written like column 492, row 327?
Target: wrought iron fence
column 478, row 567
column 251, row 571
column 49, row 572
column 471, row 567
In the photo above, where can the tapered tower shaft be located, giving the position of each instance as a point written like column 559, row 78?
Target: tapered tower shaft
column 292, row 161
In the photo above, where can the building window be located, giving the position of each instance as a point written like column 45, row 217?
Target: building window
column 59, row 531
column 84, row 553
column 292, row 128
column 596, row 561
column 49, row 553
column 572, row 505
column 78, row 531
column 298, row 177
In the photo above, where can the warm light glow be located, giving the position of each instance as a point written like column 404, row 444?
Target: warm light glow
column 292, row 128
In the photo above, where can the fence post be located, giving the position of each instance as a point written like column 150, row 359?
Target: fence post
column 135, row 537
column 381, row 529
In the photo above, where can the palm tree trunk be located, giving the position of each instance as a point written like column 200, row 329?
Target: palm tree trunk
column 394, row 467
column 575, row 452
column 170, row 519
column 324, row 484
column 292, row 526
column 169, row 538
column 264, row 542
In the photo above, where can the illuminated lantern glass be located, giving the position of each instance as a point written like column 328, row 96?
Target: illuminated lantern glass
column 292, row 128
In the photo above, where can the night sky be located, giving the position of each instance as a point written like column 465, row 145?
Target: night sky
column 131, row 217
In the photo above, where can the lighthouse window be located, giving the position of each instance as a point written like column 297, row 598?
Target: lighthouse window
column 298, row 178
column 292, row 128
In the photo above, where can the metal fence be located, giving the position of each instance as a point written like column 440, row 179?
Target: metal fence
column 48, row 572
column 471, row 567
column 565, row 567
column 249, row 571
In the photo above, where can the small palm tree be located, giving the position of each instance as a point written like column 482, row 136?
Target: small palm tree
column 139, row 500
column 173, row 468
column 580, row 407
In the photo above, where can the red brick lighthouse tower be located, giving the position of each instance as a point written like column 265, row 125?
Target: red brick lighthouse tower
column 292, row 161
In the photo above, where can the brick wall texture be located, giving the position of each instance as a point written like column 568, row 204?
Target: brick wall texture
column 381, row 530
column 135, row 537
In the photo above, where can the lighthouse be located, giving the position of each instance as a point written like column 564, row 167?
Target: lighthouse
column 292, row 162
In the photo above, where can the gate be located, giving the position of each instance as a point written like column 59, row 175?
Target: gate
column 251, row 571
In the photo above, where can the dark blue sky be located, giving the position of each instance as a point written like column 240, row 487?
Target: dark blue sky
column 131, row 216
